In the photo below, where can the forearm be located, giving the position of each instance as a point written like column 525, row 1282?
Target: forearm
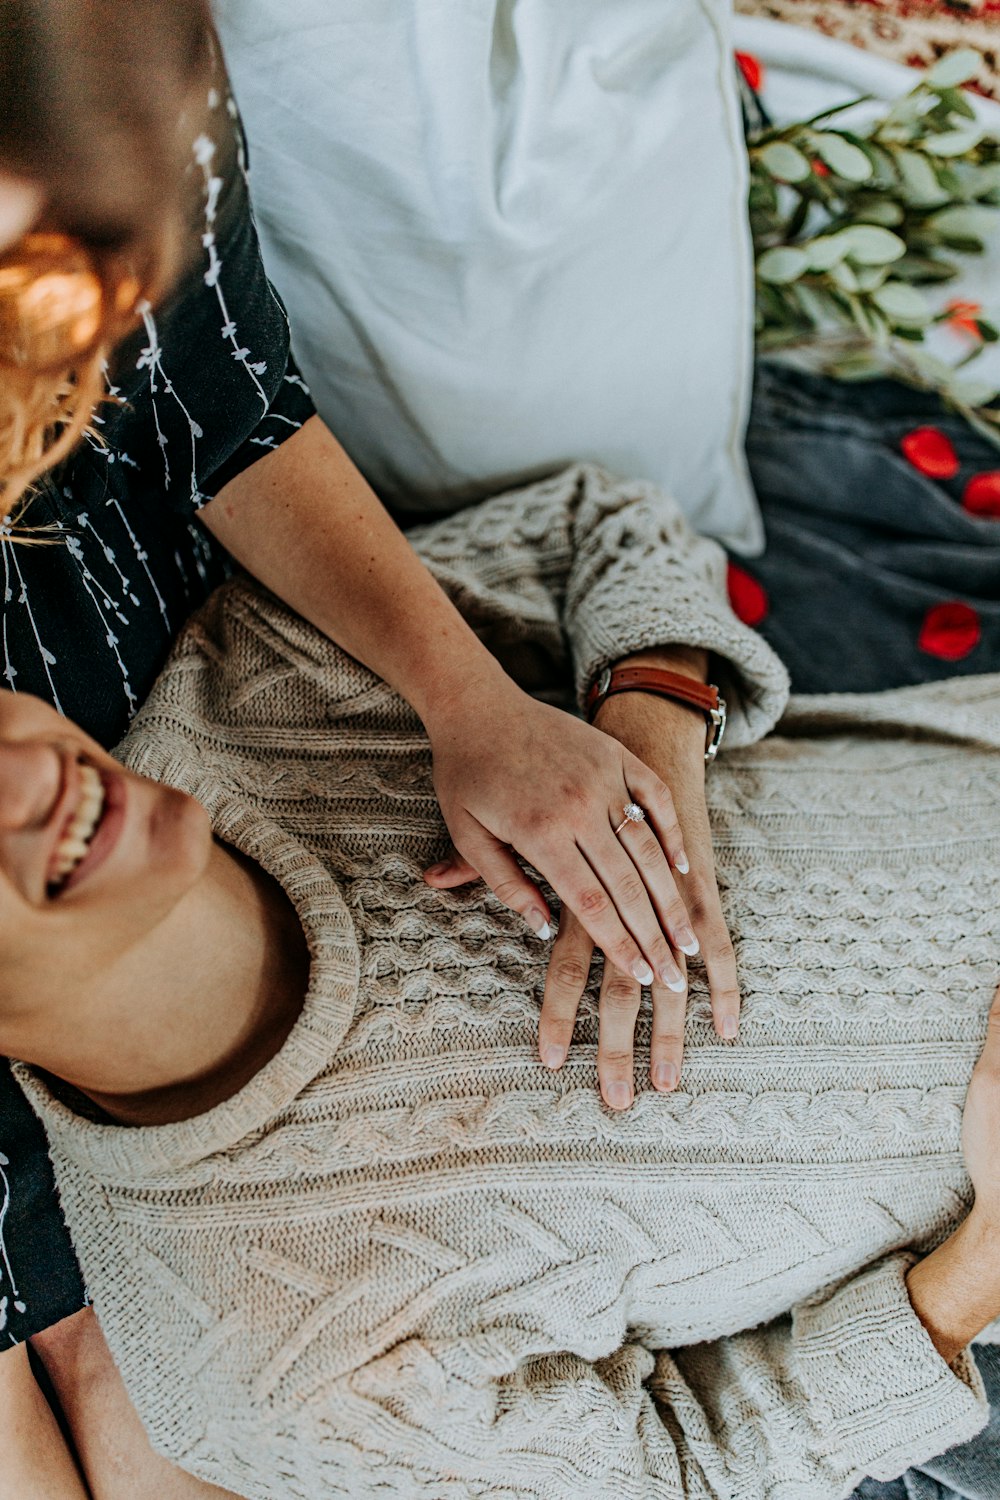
column 955, row 1291
column 305, row 522
column 36, row 1464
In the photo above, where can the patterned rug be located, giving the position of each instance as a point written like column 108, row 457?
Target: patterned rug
column 908, row 31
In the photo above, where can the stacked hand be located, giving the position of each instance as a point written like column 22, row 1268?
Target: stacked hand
column 525, row 777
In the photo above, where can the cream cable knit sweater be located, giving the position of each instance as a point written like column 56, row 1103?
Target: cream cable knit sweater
column 407, row 1261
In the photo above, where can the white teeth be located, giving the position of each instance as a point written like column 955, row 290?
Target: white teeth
column 80, row 830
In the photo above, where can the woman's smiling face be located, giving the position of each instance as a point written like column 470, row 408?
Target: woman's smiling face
column 92, row 857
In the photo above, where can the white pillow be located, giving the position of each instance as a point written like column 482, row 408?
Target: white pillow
column 510, row 234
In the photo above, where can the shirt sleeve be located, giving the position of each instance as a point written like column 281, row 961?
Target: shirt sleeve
column 848, row 1385
column 640, row 578
column 207, row 383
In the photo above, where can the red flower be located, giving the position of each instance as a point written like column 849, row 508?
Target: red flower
column 950, row 631
column 820, row 167
column 751, row 68
column 982, row 494
column 930, row 451
column 748, row 597
column 963, row 315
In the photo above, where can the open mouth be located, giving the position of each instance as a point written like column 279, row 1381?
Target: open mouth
column 79, row 829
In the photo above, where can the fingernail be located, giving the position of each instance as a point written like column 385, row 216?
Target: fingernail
column 642, row 972
column 730, row 1027
column 676, row 982
column 686, row 941
column 537, row 921
column 436, row 869
column 681, row 864
column 552, row 1057
column 665, row 1076
column 618, row 1095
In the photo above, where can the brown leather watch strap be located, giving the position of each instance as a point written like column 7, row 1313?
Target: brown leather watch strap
column 703, row 697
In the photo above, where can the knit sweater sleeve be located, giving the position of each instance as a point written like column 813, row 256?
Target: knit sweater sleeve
column 849, row 1385
column 584, row 569
column 641, row 578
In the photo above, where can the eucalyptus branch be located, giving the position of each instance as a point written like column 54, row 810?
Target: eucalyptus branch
column 850, row 224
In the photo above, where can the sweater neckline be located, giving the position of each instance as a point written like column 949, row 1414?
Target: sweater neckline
column 125, row 1153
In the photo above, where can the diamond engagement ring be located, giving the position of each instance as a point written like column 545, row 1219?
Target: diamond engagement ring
column 633, row 814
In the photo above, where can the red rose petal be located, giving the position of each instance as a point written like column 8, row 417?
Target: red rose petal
column 982, row 494
column 751, row 68
column 747, row 597
column 950, row 631
column 930, row 451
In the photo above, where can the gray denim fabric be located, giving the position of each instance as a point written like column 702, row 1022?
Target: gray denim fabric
column 860, row 544
column 969, row 1472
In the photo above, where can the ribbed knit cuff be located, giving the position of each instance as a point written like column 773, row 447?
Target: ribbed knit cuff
column 749, row 676
column 879, row 1391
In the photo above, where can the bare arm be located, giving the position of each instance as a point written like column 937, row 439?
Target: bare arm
column 114, row 1449
column 37, row 1464
column 510, row 773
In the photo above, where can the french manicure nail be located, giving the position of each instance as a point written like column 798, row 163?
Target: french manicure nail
column 678, row 984
column 618, row 1095
column 642, row 972
column 552, row 1057
column 730, row 1027
column 681, row 864
column 537, row 922
column 687, row 942
column 665, row 1075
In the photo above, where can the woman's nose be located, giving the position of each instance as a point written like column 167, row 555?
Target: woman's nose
column 31, row 779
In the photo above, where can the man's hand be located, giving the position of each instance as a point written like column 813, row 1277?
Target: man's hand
column 671, row 740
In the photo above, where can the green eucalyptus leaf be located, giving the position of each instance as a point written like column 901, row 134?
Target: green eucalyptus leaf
column 846, row 160
column 987, row 178
column 870, row 245
column 825, row 252
column 880, row 211
column 870, row 277
column 883, row 161
column 922, row 268
column 965, row 221
column 956, row 103
column 785, row 161
column 856, row 367
column 782, row 264
column 954, row 68
column 965, row 244
column 973, row 392
column 844, row 276
column 988, row 332
column 919, row 178
column 934, row 370
column 902, row 303
column 953, row 142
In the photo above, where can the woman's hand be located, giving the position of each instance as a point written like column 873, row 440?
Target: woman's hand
column 671, row 739
column 512, row 774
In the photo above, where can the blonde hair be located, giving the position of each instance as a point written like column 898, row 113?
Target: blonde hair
column 109, row 173
column 61, row 313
